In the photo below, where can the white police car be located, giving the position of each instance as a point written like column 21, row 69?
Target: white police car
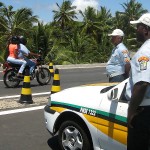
column 89, row 117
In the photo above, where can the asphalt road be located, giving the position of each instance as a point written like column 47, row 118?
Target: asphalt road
column 26, row 130
column 68, row 78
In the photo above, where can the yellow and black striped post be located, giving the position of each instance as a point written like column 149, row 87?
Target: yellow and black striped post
column 26, row 96
column 56, row 82
column 51, row 69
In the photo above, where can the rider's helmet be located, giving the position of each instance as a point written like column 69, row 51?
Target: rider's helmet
column 14, row 40
column 23, row 40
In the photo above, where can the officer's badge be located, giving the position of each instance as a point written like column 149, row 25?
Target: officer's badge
column 127, row 60
column 143, row 62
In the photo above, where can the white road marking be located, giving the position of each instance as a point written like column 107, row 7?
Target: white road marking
column 21, row 110
column 16, row 96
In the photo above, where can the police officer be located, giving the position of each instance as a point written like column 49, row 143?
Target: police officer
column 118, row 66
column 138, row 89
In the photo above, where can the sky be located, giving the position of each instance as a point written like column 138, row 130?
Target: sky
column 43, row 8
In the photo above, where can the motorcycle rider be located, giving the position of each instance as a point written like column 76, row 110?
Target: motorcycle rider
column 13, row 48
column 24, row 53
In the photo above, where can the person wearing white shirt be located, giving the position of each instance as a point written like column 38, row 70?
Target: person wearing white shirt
column 118, row 65
column 138, row 90
column 24, row 53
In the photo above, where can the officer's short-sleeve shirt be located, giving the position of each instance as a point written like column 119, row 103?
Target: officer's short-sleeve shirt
column 23, row 50
column 140, row 69
column 119, row 57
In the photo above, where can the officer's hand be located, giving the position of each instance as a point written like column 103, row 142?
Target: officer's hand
column 131, row 115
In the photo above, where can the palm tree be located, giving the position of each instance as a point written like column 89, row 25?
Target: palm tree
column 65, row 14
column 79, row 44
column 40, row 38
column 19, row 22
column 117, row 21
column 95, row 23
column 132, row 11
column 90, row 23
column 104, row 17
column 16, row 22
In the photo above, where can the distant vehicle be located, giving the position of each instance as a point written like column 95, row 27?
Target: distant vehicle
column 90, row 117
column 41, row 73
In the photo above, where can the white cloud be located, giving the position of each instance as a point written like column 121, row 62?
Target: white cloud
column 83, row 4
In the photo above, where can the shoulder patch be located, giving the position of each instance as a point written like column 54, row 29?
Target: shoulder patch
column 143, row 58
column 143, row 62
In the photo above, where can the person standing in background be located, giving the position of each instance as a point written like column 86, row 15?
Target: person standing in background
column 118, row 65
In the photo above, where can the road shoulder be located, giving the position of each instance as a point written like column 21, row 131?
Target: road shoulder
column 7, row 104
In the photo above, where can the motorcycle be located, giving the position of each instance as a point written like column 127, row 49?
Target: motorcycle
column 41, row 73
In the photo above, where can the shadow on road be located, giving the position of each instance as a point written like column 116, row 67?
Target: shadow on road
column 53, row 143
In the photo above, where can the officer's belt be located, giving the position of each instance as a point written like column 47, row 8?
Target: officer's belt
column 114, row 74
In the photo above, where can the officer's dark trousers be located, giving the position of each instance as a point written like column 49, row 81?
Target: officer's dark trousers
column 118, row 78
column 139, row 136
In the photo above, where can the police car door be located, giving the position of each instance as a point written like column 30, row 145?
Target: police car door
column 112, row 126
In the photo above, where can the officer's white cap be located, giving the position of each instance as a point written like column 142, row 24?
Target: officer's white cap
column 145, row 19
column 117, row 32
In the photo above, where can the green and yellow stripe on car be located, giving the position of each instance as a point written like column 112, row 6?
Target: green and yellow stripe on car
column 114, row 126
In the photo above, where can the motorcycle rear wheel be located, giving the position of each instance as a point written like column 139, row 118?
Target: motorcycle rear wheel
column 43, row 76
column 9, row 78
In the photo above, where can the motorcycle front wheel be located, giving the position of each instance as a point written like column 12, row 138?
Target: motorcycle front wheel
column 43, row 76
column 9, row 78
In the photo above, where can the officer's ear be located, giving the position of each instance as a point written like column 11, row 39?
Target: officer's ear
column 120, row 38
column 146, row 29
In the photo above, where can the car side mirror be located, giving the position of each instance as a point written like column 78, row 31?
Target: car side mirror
column 112, row 94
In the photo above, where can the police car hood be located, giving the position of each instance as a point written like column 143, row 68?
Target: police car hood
column 86, row 96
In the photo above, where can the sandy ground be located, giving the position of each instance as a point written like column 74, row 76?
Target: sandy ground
column 14, row 103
